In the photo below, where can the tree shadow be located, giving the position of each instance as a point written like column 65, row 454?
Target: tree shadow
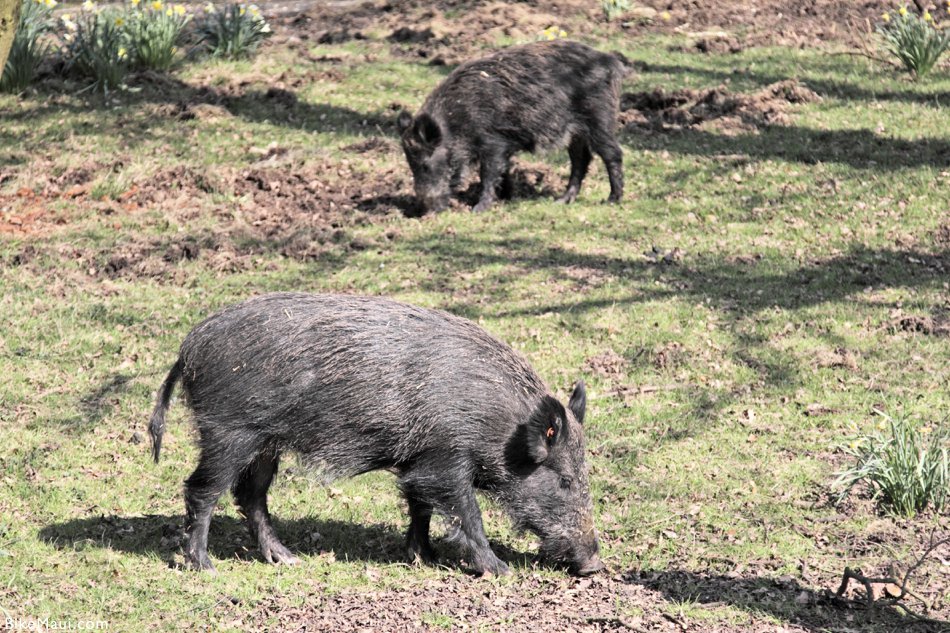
column 785, row 599
column 162, row 536
column 862, row 149
column 735, row 287
column 824, row 87
column 175, row 99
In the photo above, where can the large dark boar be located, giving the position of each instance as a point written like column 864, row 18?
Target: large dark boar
column 521, row 99
column 355, row 384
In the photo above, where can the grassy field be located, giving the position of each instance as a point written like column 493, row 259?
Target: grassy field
column 759, row 293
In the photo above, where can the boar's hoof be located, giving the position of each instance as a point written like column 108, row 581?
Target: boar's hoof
column 484, row 566
column 420, row 554
column 274, row 552
column 568, row 197
column 200, row 562
column 483, row 205
column 612, row 199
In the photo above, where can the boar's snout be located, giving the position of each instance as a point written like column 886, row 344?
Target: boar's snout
column 591, row 566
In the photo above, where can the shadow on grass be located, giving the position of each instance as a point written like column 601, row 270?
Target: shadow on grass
column 735, row 287
column 824, row 87
column 858, row 148
column 177, row 100
column 162, row 536
column 784, row 599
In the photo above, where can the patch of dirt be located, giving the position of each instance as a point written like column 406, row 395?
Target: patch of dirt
column 451, row 31
column 839, row 358
column 942, row 234
column 299, row 211
column 936, row 325
column 446, row 32
column 669, row 355
column 632, row 601
column 608, row 364
column 717, row 109
column 374, row 145
column 765, row 22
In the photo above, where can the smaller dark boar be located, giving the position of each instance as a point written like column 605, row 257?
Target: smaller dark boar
column 354, row 384
column 521, row 99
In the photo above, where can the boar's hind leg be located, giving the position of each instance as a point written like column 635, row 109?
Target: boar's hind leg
column 604, row 142
column 215, row 473
column 579, row 151
column 417, row 538
column 250, row 491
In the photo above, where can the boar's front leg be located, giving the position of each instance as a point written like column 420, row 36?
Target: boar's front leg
column 468, row 519
column 493, row 166
column 453, row 497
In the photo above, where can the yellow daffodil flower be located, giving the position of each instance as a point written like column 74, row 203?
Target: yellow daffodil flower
column 665, row 16
column 123, row 53
column 209, row 8
column 179, row 9
column 886, row 17
column 135, row 3
column 242, row 11
column 928, row 17
column 119, row 21
column 902, row 11
column 89, row 5
column 157, row 5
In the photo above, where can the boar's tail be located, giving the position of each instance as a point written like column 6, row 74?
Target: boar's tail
column 156, row 424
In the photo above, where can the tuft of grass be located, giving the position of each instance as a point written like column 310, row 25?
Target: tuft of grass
column 614, row 8
column 154, row 31
column 914, row 40
column 97, row 46
column 235, row 31
column 906, row 463
column 28, row 48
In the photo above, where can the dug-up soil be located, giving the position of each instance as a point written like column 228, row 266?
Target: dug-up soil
column 450, row 31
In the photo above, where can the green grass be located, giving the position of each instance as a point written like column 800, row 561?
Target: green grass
column 713, row 443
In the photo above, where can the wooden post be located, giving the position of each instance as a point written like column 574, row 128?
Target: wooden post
column 9, row 18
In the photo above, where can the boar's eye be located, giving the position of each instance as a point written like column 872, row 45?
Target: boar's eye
column 565, row 483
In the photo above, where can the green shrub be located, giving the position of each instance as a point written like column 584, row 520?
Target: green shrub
column 614, row 8
column 906, row 464
column 28, row 48
column 154, row 30
column 235, row 31
column 914, row 40
column 97, row 46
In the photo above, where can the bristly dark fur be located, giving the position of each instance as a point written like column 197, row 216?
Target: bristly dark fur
column 520, row 99
column 355, row 384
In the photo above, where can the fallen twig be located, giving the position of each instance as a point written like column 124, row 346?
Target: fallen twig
column 892, row 600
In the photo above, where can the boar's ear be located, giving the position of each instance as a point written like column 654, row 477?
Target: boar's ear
column 544, row 429
column 578, row 401
column 403, row 121
column 427, row 130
